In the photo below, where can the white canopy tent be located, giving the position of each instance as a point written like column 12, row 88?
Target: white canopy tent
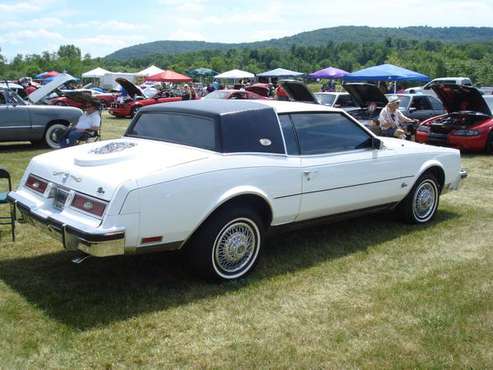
column 152, row 70
column 234, row 74
column 95, row 73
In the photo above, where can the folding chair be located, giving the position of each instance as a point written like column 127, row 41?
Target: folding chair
column 5, row 175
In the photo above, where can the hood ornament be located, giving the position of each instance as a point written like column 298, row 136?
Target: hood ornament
column 113, row 147
column 66, row 175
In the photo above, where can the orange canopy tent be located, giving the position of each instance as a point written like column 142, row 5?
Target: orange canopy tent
column 168, row 76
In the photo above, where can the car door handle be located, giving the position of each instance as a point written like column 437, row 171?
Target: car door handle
column 309, row 173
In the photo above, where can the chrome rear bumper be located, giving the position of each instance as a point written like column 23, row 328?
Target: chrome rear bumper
column 95, row 244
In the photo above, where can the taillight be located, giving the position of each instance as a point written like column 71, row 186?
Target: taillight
column 36, row 184
column 88, row 205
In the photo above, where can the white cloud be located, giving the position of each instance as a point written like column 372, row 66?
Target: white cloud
column 41, row 35
column 24, row 6
column 186, row 35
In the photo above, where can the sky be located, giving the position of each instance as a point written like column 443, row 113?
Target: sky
column 100, row 27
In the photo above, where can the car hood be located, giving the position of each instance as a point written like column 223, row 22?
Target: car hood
column 132, row 90
column 363, row 94
column 45, row 90
column 456, row 98
column 297, row 91
column 99, row 169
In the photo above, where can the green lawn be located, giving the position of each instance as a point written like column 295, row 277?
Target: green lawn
column 365, row 293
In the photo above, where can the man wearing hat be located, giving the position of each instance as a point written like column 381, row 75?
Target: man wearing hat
column 392, row 121
column 89, row 121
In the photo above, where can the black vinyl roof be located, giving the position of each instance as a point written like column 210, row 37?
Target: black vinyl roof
column 242, row 126
column 211, row 107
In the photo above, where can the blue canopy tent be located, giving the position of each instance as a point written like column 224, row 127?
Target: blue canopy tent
column 385, row 72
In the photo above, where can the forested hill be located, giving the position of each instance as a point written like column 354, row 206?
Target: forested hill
column 315, row 38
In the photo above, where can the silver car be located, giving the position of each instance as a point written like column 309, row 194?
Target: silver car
column 24, row 121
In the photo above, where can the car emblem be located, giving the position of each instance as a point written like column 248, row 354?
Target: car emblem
column 66, row 176
column 100, row 190
column 265, row 142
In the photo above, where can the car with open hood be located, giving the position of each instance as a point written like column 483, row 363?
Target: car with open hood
column 371, row 101
column 33, row 121
column 64, row 99
column 467, row 125
column 213, row 177
column 136, row 100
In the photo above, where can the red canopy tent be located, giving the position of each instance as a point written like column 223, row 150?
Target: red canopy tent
column 169, row 76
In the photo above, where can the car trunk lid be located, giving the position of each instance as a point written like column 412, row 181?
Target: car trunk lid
column 99, row 169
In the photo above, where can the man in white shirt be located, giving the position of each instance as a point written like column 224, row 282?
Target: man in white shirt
column 392, row 121
column 88, row 122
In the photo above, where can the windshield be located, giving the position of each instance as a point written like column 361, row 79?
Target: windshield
column 218, row 94
column 325, row 99
column 178, row 128
column 489, row 101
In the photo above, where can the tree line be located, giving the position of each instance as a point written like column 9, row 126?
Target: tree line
column 433, row 58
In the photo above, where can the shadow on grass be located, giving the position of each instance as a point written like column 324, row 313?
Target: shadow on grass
column 21, row 147
column 102, row 291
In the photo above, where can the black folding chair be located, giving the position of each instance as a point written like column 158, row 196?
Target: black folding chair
column 5, row 175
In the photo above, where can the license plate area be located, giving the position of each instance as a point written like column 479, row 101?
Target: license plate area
column 60, row 197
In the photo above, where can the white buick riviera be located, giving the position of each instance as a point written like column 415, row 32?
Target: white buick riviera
column 212, row 177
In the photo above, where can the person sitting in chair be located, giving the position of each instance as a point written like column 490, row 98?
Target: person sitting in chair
column 89, row 122
column 392, row 122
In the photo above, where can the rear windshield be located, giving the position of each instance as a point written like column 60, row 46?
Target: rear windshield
column 218, row 94
column 178, row 128
column 325, row 99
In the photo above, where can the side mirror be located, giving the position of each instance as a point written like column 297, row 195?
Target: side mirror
column 376, row 143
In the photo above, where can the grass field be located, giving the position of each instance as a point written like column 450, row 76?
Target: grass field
column 365, row 293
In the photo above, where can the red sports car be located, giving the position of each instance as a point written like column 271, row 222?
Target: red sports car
column 105, row 99
column 136, row 100
column 467, row 126
column 233, row 94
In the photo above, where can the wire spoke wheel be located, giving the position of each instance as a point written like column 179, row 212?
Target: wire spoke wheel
column 425, row 200
column 236, row 248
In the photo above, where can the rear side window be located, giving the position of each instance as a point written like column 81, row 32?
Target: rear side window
column 176, row 128
column 321, row 133
column 289, row 134
column 2, row 99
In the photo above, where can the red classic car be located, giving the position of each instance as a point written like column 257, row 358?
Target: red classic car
column 136, row 100
column 105, row 99
column 233, row 94
column 468, row 125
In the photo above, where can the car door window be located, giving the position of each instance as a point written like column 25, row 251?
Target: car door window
column 435, row 103
column 421, row 103
column 321, row 133
column 2, row 99
column 289, row 135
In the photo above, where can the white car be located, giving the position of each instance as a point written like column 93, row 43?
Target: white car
column 426, row 89
column 212, row 177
